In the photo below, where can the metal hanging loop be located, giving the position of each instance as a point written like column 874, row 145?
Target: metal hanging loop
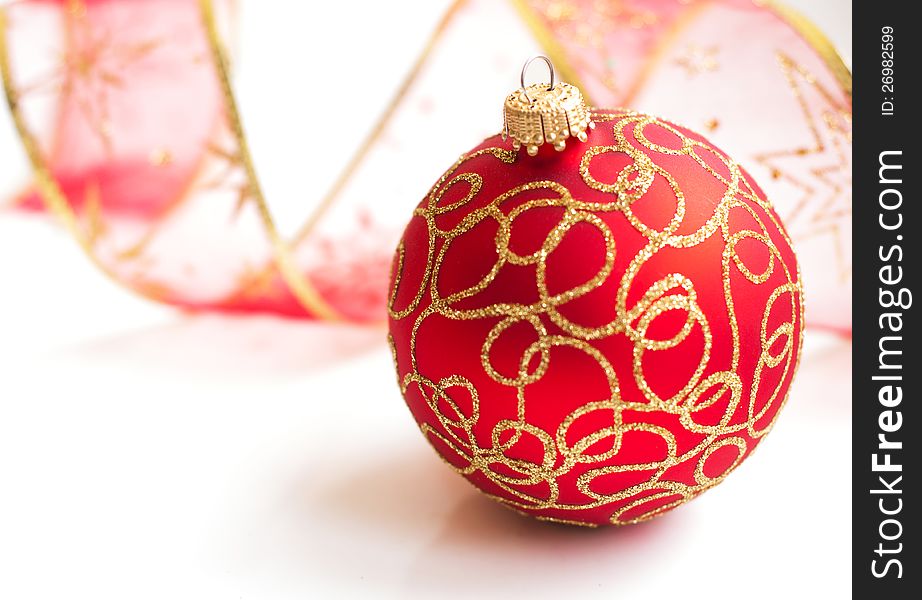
column 550, row 68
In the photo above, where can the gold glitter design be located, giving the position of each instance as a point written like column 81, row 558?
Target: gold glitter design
column 750, row 410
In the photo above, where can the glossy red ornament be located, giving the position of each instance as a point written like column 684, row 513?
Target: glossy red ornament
column 600, row 334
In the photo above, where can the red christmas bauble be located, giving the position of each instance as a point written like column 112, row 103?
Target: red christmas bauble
column 600, row 334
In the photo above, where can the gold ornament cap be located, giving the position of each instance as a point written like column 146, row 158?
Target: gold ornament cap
column 545, row 113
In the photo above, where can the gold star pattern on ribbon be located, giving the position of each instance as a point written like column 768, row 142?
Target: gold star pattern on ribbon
column 698, row 59
column 821, row 169
column 588, row 25
column 90, row 68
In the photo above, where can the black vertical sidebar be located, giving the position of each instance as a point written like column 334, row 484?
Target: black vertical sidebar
column 887, row 43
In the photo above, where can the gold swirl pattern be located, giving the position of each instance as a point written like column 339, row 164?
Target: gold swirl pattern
column 630, row 448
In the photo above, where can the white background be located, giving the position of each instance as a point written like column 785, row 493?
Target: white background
column 149, row 454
